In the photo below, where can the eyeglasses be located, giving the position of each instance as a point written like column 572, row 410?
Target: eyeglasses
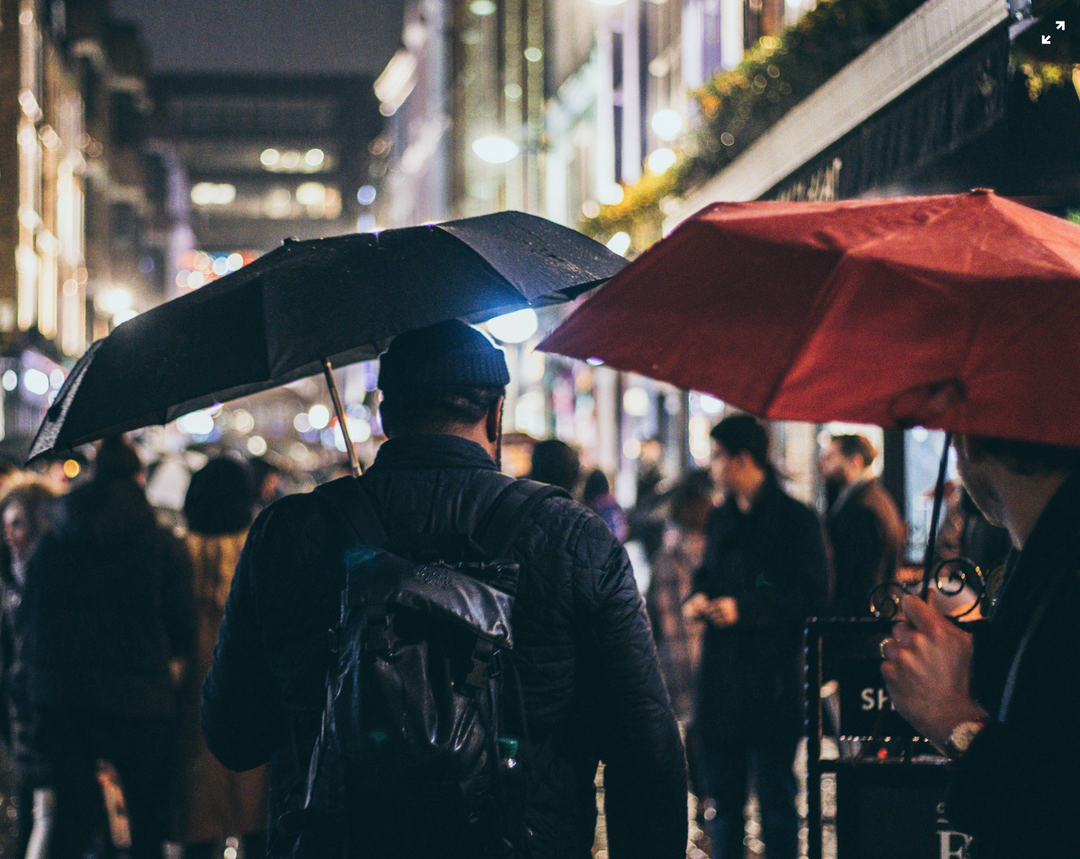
column 959, row 580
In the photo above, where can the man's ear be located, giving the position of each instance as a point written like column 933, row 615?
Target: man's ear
column 493, row 420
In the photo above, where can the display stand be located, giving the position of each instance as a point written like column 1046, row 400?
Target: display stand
column 888, row 786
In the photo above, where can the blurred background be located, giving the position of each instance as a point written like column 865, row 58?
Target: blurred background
column 147, row 148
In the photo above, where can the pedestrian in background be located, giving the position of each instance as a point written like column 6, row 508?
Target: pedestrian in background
column 24, row 514
column 556, row 463
column 215, row 803
column 646, row 517
column 596, row 495
column 765, row 572
column 678, row 638
column 866, row 531
column 108, row 606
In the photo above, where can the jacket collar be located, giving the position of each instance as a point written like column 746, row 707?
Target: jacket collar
column 849, row 493
column 730, row 514
column 1050, row 555
column 431, row 451
column 1051, row 552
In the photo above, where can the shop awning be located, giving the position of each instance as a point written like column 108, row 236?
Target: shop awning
column 936, row 79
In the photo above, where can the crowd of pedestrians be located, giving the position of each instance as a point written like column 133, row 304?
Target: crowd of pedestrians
column 109, row 621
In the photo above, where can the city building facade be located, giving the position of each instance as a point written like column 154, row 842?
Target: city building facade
column 77, row 199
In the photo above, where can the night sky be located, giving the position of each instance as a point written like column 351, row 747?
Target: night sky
column 266, row 36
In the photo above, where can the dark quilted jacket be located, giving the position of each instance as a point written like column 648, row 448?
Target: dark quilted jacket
column 582, row 644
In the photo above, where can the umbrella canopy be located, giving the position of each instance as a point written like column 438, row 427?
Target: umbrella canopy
column 958, row 312
column 334, row 299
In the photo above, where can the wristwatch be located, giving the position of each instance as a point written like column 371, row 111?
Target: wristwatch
column 962, row 736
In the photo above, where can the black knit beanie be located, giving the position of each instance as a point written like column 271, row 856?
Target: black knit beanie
column 445, row 355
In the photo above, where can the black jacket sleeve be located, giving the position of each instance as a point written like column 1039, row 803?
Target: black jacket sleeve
column 1017, row 788
column 639, row 742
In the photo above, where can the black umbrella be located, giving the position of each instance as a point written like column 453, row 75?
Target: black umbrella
column 308, row 304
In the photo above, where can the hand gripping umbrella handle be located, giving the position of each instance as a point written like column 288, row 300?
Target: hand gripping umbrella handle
column 354, row 460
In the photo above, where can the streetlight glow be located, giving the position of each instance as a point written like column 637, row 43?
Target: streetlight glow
column 319, row 416
column 611, row 194
column 667, row 124
column 516, row 327
column 619, row 243
column 662, row 160
column 495, row 150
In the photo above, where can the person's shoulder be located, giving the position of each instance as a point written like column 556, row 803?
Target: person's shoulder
column 294, row 505
column 560, row 511
column 799, row 511
column 875, row 496
column 568, row 526
column 295, row 514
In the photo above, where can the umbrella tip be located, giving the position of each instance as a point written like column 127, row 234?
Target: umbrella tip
column 289, row 240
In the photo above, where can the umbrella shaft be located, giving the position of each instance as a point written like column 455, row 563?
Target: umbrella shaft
column 354, row 460
column 931, row 537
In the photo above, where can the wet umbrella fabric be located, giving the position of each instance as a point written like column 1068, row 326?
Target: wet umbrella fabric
column 275, row 320
column 957, row 312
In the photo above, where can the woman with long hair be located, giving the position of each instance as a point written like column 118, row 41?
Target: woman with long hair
column 215, row 803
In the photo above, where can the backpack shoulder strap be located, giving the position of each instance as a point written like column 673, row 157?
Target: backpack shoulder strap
column 347, row 498
column 493, row 534
column 507, row 513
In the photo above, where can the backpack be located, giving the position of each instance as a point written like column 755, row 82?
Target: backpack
column 414, row 756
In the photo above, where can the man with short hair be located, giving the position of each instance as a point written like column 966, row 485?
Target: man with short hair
column 864, row 527
column 765, row 571
column 1003, row 702
column 583, row 658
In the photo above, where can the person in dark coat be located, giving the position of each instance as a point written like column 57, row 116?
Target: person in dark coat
column 865, row 529
column 586, row 666
column 597, row 496
column 1002, row 702
column 108, row 606
column 765, row 571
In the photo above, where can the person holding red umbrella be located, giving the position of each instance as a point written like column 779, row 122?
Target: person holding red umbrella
column 1003, row 702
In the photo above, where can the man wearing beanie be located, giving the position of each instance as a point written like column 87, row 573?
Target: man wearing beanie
column 585, row 665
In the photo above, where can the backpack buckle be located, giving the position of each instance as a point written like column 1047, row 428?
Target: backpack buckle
column 378, row 632
column 483, row 653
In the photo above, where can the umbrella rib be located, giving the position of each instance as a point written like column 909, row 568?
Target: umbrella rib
column 825, row 298
column 809, row 329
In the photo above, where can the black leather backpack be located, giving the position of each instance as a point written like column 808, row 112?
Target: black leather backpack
column 415, row 756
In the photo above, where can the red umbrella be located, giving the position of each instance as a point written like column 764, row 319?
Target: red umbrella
column 958, row 312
